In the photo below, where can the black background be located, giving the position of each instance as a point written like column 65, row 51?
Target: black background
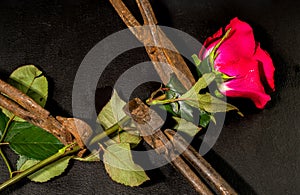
column 257, row 154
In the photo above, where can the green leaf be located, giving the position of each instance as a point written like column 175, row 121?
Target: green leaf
column 3, row 121
column 15, row 128
column 48, row 172
column 125, row 137
column 31, row 141
column 111, row 114
column 22, row 159
column 179, row 109
column 168, row 108
column 175, row 85
column 119, row 165
column 28, row 163
column 186, row 127
column 29, row 80
column 211, row 104
column 202, row 83
column 112, row 111
column 185, row 111
column 204, row 119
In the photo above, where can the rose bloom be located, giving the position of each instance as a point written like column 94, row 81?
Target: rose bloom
column 242, row 58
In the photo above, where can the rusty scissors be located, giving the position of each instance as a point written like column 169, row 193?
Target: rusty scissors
column 168, row 143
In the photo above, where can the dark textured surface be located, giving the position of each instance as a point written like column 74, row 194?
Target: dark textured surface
column 258, row 154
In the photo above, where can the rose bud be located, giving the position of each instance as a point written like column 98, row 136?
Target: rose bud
column 237, row 55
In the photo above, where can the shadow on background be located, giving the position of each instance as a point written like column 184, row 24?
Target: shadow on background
column 225, row 170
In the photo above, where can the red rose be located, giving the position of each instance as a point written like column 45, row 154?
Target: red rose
column 240, row 57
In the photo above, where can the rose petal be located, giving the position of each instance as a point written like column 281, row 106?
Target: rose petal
column 238, row 68
column 267, row 64
column 260, row 99
column 239, row 44
column 247, row 85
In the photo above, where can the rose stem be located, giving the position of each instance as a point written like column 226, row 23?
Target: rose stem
column 109, row 131
column 6, row 162
column 1, row 142
column 207, row 172
column 61, row 153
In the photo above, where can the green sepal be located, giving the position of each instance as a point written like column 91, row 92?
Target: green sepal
column 218, row 94
column 213, row 54
column 204, row 67
column 196, row 60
